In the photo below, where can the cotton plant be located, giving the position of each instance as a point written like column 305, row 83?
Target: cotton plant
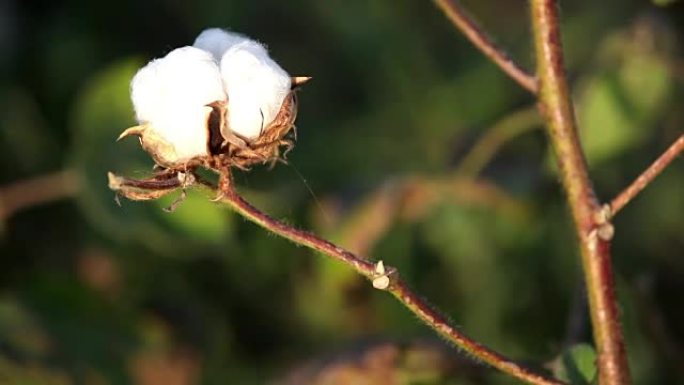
column 236, row 135
column 221, row 103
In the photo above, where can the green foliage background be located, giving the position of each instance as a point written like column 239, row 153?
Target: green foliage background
column 94, row 293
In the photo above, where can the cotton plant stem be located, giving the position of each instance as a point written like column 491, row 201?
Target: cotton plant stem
column 460, row 18
column 556, row 107
column 397, row 287
column 647, row 176
column 304, row 238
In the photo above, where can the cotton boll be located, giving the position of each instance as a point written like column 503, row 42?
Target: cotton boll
column 187, row 76
column 256, row 87
column 171, row 95
column 217, row 41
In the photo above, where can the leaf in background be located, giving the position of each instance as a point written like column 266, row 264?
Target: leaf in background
column 606, row 128
column 620, row 104
column 25, row 138
column 577, row 365
column 31, row 374
column 80, row 324
column 102, row 111
column 663, row 3
column 198, row 217
column 20, row 332
column 466, row 243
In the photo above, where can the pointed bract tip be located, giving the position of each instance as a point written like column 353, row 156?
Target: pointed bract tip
column 380, row 268
column 135, row 130
column 115, row 181
column 298, row 81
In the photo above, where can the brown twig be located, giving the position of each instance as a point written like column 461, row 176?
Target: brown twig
column 502, row 131
column 556, row 106
column 397, row 287
column 410, row 199
column 647, row 176
column 19, row 195
column 460, row 18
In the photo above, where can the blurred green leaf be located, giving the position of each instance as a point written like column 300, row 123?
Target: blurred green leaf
column 24, row 135
column 20, row 332
column 607, row 129
column 102, row 111
column 198, row 217
column 646, row 80
column 663, row 3
column 619, row 105
column 577, row 365
column 12, row 373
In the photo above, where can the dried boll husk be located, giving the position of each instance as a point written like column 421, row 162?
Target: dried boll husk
column 268, row 146
column 224, row 148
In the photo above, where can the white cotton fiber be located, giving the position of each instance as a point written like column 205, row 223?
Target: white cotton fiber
column 171, row 94
column 256, row 87
column 217, row 41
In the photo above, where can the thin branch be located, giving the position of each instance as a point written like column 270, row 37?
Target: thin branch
column 460, row 18
column 410, row 198
column 556, row 106
column 397, row 287
column 647, row 176
column 39, row 190
column 483, row 151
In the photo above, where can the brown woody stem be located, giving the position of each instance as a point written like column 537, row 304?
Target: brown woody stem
column 647, row 176
column 35, row 191
column 460, row 18
column 557, row 109
column 397, row 287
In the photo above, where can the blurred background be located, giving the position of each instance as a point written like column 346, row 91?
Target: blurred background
column 412, row 148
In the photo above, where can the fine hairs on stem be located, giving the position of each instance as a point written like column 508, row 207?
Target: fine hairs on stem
column 558, row 111
column 461, row 20
column 647, row 176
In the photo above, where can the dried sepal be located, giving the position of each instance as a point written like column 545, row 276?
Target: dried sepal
column 163, row 152
column 155, row 187
column 298, row 81
column 272, row 145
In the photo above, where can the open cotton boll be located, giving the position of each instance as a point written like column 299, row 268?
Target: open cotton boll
column 186, row 77
column 217, row 41
column 170, row 95
column 256, row 87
